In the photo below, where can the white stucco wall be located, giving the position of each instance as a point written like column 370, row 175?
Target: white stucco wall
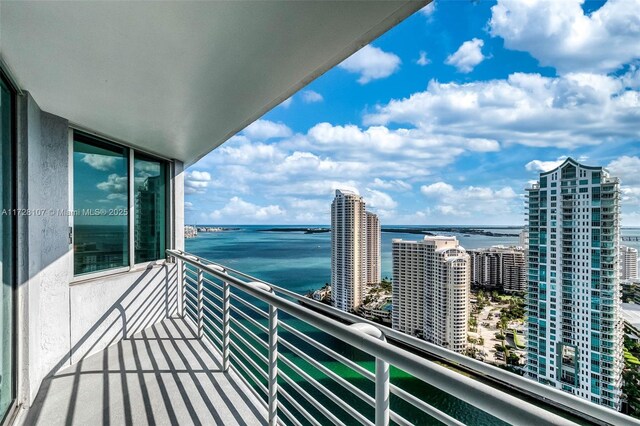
column 59, row 322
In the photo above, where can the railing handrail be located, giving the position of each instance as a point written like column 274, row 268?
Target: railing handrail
column 501, row 405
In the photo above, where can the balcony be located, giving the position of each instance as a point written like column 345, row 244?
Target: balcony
column 236, row 353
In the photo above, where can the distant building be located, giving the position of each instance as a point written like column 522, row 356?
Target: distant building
column 190, row 231
column 574, row 321
column 431, row 290
column 523, row 239
column 348, row 250
column 628, row 263
column 499, row 267
column 373, row 249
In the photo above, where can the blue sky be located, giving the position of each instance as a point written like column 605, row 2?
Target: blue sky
column 445, row 119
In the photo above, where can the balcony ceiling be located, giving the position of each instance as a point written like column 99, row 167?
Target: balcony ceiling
column 180, row 78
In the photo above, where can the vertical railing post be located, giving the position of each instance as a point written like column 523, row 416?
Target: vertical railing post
column 382, row 392
column 382, row 376
column 272, row 374
column 226, row 306
column 181, row 290
column 200, row 303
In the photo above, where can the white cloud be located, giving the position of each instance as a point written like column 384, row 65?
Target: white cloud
column 310, row 96
column 545, row 166
column 473, row 200
column 397, row 184
column 438, row 188
column 265, row 129
column 99, row 162
column 379, row 200
column 626, row 168
column 429, row 9
column 567, row 111
column 468, row 55
column 371, row 63
column 286, row 103
column 117, row 196
column 238, row 210
column 559, row 34
column 115, row 184
column 196, row 182
column 423, row 60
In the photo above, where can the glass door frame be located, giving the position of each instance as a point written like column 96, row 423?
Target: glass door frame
column 8, row 82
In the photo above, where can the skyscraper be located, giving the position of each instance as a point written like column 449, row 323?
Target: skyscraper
column 431, row 290
column 628, row 263
column 348, row 250
column 373, row 249
column 574, row 324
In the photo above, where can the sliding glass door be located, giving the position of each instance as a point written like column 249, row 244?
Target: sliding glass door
column 6, row 250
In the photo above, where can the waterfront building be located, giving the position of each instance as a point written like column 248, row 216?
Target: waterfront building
column 431, row 290
column 190, row 231
column 628, row 263
column 523, row 238
column 574, row 324
column 373, row 249
column 499, row 267
column 348, row 250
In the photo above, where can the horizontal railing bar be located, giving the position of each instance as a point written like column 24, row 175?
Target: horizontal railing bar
column 244, row 341
column 249, row 332
column 210, row 330
column 216, row 285
column 250, row 360
column 298, row 407
column 399, row 419
column 192, row 305
column 571, row 403
column 311, row 400
column 491, row 400
column 212, row 294
column 326, row 392
column 250, row 306
column 339, row 380
column 288, row 413
column 248, row 372
column 251, row 320
column 333, row 354
column 426, row 408
column 213, row 314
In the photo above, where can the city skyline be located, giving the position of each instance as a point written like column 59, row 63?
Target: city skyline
column 443, row 120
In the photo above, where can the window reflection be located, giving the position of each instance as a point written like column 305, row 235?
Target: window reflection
column 150, row 208
column 100, row 198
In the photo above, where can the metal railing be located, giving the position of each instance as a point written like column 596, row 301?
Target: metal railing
column 253, row 340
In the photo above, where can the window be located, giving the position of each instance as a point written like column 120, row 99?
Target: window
column 100, row 202
column 106, row 234
column 150, row 193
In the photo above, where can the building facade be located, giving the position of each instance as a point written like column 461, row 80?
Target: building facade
column 373, row 249
column 574, row 324
column 628, row 263
column 431, row 290
column 499, row 267
column 348, row 250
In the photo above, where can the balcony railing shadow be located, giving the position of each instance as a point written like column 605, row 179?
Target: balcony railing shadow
column 164, row 374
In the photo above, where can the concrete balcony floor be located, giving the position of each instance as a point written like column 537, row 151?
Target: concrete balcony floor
column 163, row 375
